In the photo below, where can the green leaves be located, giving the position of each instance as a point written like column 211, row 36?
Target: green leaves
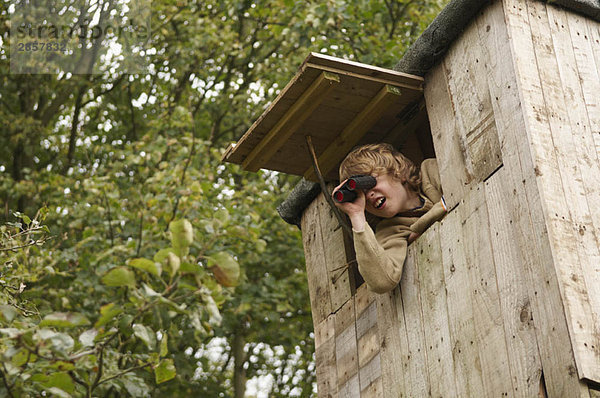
column 182, row 236
column 173, row 263
column 8, row 313
column 65, row 320
column 59, row 384
column 108, row 313
column 119, row 276
column 225, row 268
column 145, row 334
column 152, row 267
column 165, row 371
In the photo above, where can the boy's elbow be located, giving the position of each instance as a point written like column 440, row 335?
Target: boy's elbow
column 381, row 287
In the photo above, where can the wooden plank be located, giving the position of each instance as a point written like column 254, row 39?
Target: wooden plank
column 435, row 315
column 346, row 353
column 374, row 73
column 350, row 389
column 511, row 273
column 465, row 65
column 570, row 40
column 316, row 265
column 586, row 89
column 513, row 288
column 566, row 205
column 370, row 379
column 325, row 361
column 400, row 133
column 461, row 322
column 290, row 93
column 367, row 335
column 591, row 96
column 415, row 362
column 449, row 148
column 363, row 298
column 355, row 130
column 508, row 39
column 290, row 121
column 393, row 343
column 336, row 260
column 486, row 302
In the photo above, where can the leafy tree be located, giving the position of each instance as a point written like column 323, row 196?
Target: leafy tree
column 101, row 295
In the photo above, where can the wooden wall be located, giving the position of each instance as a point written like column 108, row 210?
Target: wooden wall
column 501, row 298
column 531, row 71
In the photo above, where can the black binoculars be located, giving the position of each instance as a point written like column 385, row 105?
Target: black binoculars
column 347, row 192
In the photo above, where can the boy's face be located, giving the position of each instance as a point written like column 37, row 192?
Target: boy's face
column 388, row 197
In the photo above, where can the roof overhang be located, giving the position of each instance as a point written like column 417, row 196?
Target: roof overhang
column 338, row 104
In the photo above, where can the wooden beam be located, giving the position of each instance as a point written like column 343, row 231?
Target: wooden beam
column 414, row 84
column 354, row 131
column 290, row 121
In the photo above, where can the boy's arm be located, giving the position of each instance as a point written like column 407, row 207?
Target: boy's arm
column 432, row 188
column 381, row 260
column 436, row 213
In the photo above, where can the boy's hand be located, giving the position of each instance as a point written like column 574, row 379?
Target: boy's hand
column 412, row 237
column 355, row 210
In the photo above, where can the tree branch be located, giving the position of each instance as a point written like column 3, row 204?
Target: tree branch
column 129, row 370
column 139, row 245
column 110, row 229
column 5, row 381
column 74, row 126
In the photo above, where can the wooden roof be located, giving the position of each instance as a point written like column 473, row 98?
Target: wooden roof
column 339, row 104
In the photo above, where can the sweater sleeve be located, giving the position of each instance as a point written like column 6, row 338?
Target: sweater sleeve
column 381, row 257
column 436, row 213
column 432, row 188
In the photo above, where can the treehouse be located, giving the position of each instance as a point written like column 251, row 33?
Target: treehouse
column 502, row 297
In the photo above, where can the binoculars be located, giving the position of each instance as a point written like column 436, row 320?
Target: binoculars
column 347, row 192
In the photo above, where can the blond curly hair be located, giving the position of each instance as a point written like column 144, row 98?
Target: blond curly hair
column 381, row 159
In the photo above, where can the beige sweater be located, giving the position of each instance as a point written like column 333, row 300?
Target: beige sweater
column 381, row 255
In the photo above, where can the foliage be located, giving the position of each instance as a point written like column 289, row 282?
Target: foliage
column 114, row 306
column 107, row 290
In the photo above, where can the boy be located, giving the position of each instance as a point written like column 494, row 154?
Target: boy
column 405, row 199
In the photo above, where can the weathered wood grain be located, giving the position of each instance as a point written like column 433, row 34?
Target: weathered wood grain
column 393, row 343
column 569, row 37
column 513, row 288
column 486, row 301
column 465, row 66
column 508, row 38
column 415, row 366
column 336, row 261
column 435, row 314
column 370, row 378
column 591, row 99
column 461, row 321
column 367, row 335
column 316, row 267
column 450, row 148
column 326, row 365
column 562, row 190
column 350, row 389
column 346, row 352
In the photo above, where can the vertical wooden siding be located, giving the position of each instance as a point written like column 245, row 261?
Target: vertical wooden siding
column 505, row 288
column 556, row 64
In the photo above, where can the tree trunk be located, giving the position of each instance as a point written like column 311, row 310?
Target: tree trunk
column 239, row 358
column 74, row 128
